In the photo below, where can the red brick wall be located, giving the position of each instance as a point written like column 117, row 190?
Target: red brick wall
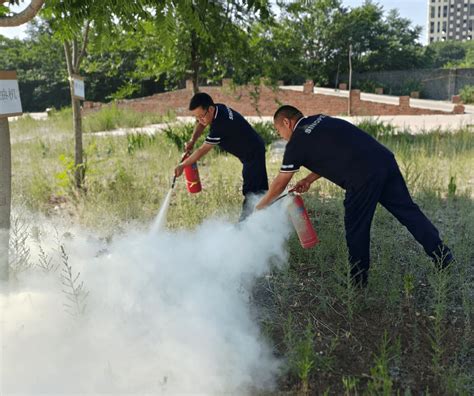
column 263, row 100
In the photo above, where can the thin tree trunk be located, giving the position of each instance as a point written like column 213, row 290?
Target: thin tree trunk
column 72, row 62
column 5, row 196
column 195, row 61
column 79, row 173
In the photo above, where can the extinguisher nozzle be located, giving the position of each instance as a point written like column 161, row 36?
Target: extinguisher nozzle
column 173, row 182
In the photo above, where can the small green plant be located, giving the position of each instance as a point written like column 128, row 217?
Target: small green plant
column 350, row 386
column 301, row 355
column 136, row 141
column 452, row 186
column 19, row 252
column 45, row 261
column 74, row 291
column 65, row 178
column 408, row 286
column 380, row 382
column 439, row 280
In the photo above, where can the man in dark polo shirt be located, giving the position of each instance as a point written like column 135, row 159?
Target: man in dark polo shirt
column 233, row 134
column 344, row 154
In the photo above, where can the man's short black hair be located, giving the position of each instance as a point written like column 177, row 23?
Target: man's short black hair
column 287, row 111
column 201, row 99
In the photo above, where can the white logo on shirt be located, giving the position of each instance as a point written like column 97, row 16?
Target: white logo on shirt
column 314, row 124
column 231, row 114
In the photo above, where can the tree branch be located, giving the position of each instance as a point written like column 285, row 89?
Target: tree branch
column 22, row 17
column 85, row 39
column 67, row 51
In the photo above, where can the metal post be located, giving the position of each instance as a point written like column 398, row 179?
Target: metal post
column 5, row 196
column 349, row 101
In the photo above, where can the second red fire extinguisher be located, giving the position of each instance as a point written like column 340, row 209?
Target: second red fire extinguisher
column 300, row 219
column 191, row 174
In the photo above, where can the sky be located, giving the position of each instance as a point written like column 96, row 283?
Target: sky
column 415, row 10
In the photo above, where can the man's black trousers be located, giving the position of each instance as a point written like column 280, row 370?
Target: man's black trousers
column 255, row 181
column 388, row 188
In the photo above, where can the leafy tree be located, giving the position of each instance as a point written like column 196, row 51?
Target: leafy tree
column 452, row 54
column 39, row 62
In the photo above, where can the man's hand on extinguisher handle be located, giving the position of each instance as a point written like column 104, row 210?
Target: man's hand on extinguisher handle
column 178, row 171
column 302, row 186
column 188, row 147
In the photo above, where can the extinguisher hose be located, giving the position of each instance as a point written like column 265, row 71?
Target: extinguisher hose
column 291, row 192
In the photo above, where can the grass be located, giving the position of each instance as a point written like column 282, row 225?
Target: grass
column 410, row 332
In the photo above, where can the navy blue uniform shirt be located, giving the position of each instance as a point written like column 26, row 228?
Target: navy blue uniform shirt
column 234, row 134
column 336, row 150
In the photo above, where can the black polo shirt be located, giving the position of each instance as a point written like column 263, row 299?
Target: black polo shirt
column 234, row 134
column 336, row 150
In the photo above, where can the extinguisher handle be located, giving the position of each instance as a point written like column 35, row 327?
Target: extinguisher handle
column 185, row 154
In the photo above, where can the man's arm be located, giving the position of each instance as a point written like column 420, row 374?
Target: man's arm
column 276, row 188
column 194, row 157
column 198, row 130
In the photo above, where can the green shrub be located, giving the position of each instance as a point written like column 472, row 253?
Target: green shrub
column 112, row 117
column 180, row 134
column 369, row 85
column 467, row 94
column 266, row 131
column 377, row 128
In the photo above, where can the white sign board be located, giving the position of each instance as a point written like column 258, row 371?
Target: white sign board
column 10, row 103
column 78, row 87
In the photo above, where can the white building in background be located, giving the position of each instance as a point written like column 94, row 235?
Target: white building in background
column 450, row 20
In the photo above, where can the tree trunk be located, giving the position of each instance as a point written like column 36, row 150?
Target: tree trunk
column 73, row 58
column 5, row 196
column 195, row 61
column 79, row 173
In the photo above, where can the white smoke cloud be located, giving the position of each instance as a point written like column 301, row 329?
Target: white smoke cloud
column 166, row 313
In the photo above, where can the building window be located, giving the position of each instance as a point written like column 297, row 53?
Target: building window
column 432, row 27
column 444, row 27
column 445, row 11
column 433, row 11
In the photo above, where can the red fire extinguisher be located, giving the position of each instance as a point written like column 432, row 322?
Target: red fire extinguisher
column 191, row 174
column 300, row 219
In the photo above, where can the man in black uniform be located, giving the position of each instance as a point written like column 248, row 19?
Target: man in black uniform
column 367, row 170
column 233, row 134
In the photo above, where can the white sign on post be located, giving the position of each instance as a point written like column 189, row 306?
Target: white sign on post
column 10, row 103
column 78, row 89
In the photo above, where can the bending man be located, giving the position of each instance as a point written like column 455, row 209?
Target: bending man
column 367, row 170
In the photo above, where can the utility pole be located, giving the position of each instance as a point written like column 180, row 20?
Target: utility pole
column 349, row 101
